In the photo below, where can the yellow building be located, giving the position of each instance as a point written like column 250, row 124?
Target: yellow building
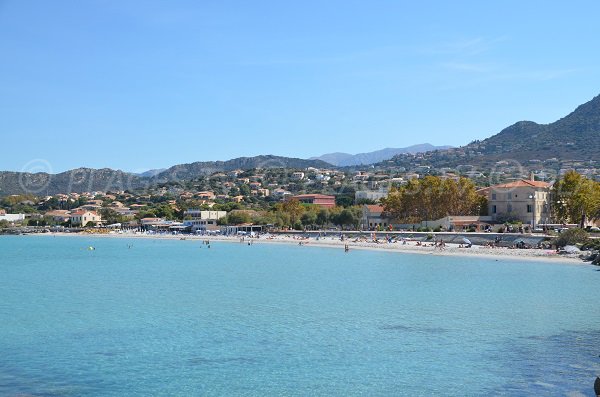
column 525, row 200
column 82, row 218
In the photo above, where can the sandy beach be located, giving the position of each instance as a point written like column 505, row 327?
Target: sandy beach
column 409, row 247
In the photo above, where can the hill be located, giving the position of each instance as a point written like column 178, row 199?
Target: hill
column 573, row 137
column 89, row 180
column 194, row 170
column 77, row 180
column 346, row 159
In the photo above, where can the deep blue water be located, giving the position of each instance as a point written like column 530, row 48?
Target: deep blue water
column 174, row 318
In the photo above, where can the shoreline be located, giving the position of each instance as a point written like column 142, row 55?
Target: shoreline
column 538, row 255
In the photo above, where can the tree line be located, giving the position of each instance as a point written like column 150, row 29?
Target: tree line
column 433, row 198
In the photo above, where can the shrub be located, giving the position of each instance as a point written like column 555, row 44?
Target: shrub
column 591, row 245
column 571, row 237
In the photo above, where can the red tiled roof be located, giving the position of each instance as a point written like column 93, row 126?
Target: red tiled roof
column 522, row 183
column 375, row 208
column 314, row 196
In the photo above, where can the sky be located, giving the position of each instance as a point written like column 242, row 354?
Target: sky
column 137, row 85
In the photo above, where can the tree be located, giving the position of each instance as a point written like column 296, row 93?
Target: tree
column 347, row 217
column 365, row 201
column 322, row 217
column 576, row 198
column 293, row 208
column 571, row 237
column 238, row 217
column 309, row 218
column 433, row 198
column 110, row 216
column 245, row 190
column 344, row 200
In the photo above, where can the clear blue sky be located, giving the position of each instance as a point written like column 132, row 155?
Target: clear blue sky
column 146, row 84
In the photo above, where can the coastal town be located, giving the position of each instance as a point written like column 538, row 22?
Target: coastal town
column 319, row 199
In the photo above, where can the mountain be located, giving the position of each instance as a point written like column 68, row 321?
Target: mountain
column 573, row 137
column 89, row 180
column 77, row 180
column 151, row 173
column 346, row 159
column 200, row 168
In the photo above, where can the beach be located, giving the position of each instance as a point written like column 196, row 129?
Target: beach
column 409, row 247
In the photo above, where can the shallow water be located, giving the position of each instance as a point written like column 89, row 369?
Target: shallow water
column 170, row 317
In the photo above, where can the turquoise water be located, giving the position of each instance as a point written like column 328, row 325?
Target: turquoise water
column 174, row 318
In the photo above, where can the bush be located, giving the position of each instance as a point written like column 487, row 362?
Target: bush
column 571, row 237
column 591, row 245
column 438, row 229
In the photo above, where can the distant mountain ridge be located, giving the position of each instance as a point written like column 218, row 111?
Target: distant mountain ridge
column 89, row 180
column 346, row 159
column 200, row 168
column 573, row 137
column 77, row 180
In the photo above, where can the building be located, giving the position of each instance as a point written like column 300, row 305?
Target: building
column 126, row 212
column 280, row 193
column 460, row 223
column 12, row 217
column 205, row 195
column 321, row 200
column 83, row 217
column 59, row 215
column 525, row 200
column 202, row 220
column 374, row 195
column 298, row 175
column 373, row 218
column 261, row 192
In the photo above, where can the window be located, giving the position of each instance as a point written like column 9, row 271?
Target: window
column 493, row 196
column 493, row 209
column 530, row 208
column 509, row 196
column 509, row 208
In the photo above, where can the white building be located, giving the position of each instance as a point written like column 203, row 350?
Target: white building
column 202, row 220
column 12, row 217
column 374, row 195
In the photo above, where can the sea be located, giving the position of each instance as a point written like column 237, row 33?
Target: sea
column 85, row 316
